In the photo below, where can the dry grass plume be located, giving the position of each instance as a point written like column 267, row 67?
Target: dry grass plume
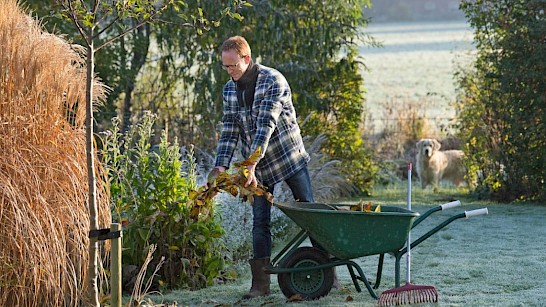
column 43, row 178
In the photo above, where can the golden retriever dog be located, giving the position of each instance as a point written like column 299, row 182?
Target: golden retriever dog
column 433, row 165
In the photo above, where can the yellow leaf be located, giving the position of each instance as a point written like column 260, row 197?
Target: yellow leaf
column 173, row 248
column 245, row 171
column 222, row 177
column 253, row 159
column 194, row 212
column 233, row 190
column 192, row 194
column 269, row 197
column 378, row 208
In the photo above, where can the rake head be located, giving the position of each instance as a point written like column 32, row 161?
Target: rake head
column 408, row 294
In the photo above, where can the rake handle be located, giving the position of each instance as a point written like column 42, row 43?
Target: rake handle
column 408, row 254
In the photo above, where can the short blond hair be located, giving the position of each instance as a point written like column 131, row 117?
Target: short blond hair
column 237, row 43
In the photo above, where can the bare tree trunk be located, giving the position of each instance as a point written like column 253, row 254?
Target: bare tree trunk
column 91, row 178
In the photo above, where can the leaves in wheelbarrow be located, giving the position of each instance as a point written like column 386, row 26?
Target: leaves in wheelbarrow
column 233, row 183
column 362, row 206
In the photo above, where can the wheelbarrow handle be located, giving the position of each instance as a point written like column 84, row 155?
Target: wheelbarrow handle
column 476, row 212
column 445, row 206
column 452, row 204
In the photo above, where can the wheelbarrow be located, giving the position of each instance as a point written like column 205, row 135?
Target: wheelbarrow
column 345, row 235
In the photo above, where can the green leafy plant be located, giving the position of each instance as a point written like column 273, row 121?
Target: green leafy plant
column 149, row 195
column 338, row 115
column 502, row 103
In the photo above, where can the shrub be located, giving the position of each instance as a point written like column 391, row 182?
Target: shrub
column 337, row 113
column 149, row 193
column 502, row 103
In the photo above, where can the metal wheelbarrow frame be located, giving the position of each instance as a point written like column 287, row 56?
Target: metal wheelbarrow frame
column 346, row 235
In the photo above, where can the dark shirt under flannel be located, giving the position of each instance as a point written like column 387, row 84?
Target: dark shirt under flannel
column 269, row 124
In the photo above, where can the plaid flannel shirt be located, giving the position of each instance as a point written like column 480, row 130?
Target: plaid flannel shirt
column 269, row 124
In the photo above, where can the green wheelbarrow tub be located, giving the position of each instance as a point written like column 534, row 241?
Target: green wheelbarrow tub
column 352, row 234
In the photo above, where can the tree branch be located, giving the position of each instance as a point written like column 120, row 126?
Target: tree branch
column 71, row 14
column 138, row 25
column 96, row 5
column 106, row 27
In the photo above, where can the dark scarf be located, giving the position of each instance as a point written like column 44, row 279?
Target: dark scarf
column 246, row 85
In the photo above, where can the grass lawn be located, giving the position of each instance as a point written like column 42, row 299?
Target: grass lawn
column 490, row 260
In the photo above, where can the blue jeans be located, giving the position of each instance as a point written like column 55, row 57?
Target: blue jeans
column 300, row 185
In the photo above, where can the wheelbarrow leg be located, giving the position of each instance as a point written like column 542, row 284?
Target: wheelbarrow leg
column 354, row 278
column 398, row 256
column 292, row 245
column 362, row 277
column 379, row 271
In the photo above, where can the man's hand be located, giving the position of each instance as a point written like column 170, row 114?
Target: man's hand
column 251, row 178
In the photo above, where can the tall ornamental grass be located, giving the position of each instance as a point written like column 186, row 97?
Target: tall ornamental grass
column 44, row 220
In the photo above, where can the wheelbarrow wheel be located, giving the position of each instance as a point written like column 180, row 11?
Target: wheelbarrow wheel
column 309, row 285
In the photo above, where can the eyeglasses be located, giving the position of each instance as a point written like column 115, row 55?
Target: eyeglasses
column 226, row 67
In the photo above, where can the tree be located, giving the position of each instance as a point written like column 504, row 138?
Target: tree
column 95, row 23
column 91, row 22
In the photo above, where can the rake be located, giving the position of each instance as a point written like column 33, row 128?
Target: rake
column 408, row 293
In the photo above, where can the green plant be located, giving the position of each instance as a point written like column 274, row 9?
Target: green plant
column 502, row 103
column 150, row 197
column 336, row 112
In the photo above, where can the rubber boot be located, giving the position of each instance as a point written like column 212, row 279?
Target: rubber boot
column 260, row 279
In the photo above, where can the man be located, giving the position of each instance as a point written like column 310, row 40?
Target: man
column 258, row 112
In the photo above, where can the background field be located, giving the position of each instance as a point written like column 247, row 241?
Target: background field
column 415, row 66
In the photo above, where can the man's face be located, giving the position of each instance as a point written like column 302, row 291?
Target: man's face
column 234, row 64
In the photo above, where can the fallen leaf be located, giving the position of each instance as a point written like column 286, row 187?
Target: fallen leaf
column 295, row 298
